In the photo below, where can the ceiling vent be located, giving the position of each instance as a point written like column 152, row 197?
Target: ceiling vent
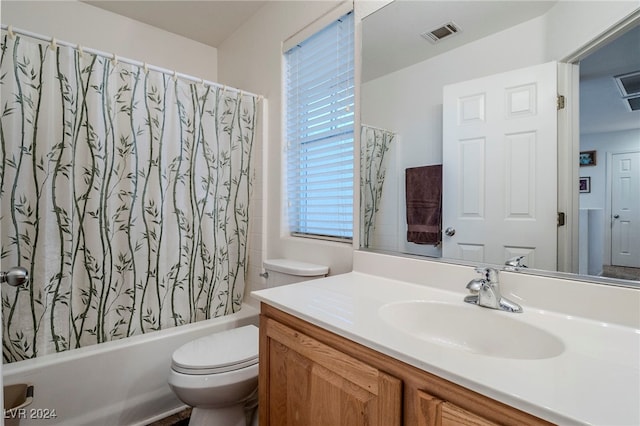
column 629, row 85
column 633, row 103
column 442, row 32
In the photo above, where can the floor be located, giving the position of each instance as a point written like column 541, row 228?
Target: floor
column 622, row 272
column 178, row 419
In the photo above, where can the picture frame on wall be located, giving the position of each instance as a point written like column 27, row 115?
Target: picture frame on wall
column 585, row 184
column 587, row 158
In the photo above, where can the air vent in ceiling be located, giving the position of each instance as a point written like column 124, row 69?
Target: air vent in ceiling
column 441, row 32
column 629, row 84
column 634, row 103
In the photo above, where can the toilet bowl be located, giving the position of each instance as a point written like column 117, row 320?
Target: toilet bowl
column 217, row 375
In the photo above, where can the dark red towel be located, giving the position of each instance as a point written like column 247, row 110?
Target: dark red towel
column 424, row 204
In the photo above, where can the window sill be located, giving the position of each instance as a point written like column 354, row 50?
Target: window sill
column 320, row 238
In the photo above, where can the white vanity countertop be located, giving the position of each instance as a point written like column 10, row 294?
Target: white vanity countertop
column 595, row 380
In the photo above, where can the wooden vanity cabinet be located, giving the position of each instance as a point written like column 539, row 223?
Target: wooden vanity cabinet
column 305, row 382
column 310, row 376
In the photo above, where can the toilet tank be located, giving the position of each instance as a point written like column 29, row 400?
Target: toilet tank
column 287, row 271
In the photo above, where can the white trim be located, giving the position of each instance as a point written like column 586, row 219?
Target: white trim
column 600, row 40
column 322, row 237
column 264, row 235
column 317, row 25
column 357, row 128
column 568, row 148
column 607, row 208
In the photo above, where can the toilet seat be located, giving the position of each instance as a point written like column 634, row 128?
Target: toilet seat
column 221, row 352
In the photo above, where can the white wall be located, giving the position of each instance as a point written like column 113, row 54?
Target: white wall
column 252, row 59
column 409, row 101
column 89, row 26
column 574, row 24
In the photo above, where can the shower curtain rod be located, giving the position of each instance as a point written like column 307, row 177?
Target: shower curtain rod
column 112, row 56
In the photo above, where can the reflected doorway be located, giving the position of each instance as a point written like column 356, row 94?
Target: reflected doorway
column 609, row 179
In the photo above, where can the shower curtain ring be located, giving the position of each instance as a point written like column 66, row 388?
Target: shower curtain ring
column 145, row 68
column 80, row 51
column 114, row 60
column 54, row 44
column 10, row 31
column 175, row 76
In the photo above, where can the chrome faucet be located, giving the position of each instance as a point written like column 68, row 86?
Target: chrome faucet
column 485, row 292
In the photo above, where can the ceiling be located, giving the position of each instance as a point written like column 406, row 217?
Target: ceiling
column 209, row 22
column 477, row 19
column 602, row 108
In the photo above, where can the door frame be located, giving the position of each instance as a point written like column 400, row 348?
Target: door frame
column 568, row 170
column 569, row 144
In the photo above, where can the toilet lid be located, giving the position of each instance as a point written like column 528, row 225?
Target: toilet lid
column 219, row 352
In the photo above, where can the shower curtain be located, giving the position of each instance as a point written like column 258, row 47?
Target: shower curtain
column 373, row 168
column 124, row 192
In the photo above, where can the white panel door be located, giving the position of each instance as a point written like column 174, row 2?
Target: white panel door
column 625, row 209
column 500, row 167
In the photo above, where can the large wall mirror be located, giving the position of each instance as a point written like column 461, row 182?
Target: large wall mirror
column 465, row 154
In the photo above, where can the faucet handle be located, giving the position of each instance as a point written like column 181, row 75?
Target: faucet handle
column 514, row 264
column 481, row 269
column 488, row 274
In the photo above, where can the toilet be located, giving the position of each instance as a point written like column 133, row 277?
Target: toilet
column 217, row 374
column 287, row 271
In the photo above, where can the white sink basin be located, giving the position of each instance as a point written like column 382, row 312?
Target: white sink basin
column 472, row 328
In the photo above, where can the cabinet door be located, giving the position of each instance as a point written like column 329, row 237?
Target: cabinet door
column 435, row 412
column 452, row 415
column 305, row 382
column 429, row 409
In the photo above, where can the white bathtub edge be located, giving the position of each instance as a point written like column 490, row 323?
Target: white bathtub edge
column 121, row 382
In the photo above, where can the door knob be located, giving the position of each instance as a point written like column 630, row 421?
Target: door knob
column 450, row 232
column 15, row 276
column 616, row 216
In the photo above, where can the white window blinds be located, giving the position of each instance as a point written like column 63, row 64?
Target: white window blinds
column 319, row 131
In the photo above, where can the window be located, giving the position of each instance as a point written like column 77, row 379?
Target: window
column 320, row 132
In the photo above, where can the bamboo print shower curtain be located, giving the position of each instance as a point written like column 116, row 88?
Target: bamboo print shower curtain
column 373, row 169
column 124, row 193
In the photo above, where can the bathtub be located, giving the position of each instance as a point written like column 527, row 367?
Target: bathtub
column 122, row 382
